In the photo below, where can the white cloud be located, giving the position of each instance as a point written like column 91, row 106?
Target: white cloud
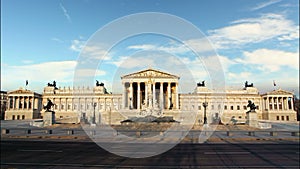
column 254, row 30
column 200, row 45
column 142, row 47
column 271, row 60
column 65, row 12
column 95, row 52
column 57, row 40
column 37, row 74
column 239, row 77
column 130, row 62
column 264, row 4
column 90, row 72
column 77, row 45
column 170, row 48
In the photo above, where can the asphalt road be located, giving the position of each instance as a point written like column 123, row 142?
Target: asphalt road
column 50, row 154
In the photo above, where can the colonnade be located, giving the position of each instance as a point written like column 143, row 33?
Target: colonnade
column 278, row 103
column 22, row 102
column 84, row 104
column 137, row 95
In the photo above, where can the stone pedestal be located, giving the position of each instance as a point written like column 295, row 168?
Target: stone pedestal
column 49, row 118
column 252, row 119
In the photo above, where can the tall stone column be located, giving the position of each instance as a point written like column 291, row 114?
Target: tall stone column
column 161, row 96
column 131, row 95
column 272, row 102
column 146, row 94
column 28, row 98
column 104, row 104
column 292, row 104
column 176, row 96
column 153, row 93
column 14, row 102
column 22, row 101
column 169, row 95
column 59, row 107
column 124, row 96
column 286, row 103
column 66, row 105
column 32, row 103
column 138, row 96
column 277, row 104
column 17, row 102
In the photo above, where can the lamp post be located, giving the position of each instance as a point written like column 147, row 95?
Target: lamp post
column 94, row 116
column 205, row 104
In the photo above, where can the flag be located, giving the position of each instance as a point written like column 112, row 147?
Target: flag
column 274, row 83
column 26, row 82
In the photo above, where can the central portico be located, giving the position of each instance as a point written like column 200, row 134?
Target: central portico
column 150, row 88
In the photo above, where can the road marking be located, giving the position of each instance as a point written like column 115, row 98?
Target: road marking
column 141, row 166
column 238, row 152
column 55, row 151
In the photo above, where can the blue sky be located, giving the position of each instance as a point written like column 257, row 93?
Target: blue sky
column 256, row 40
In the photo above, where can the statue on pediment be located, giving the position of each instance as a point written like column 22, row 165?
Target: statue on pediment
column 202, row 84
column 52, row 84
column 248, row 85
column 99, row 84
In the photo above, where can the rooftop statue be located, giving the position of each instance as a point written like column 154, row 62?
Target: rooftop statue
column 52, row 85
column 201, row 84
column 99, row 84
column 248, row 85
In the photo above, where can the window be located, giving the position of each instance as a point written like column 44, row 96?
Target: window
column 238, row 107
column 55, row 107
column 61, row 117
column 212, row 107
column 225, row 107
column 245, row 107
column 287, row 118
column 199, row 107
column 23, row 117
column 282, row 117
column 62, row 106
column 18, row 117
column 231, row 107
column 277, row 118
column 240, row 117
column 257, row 107
column 69, row 106
column 13, row 117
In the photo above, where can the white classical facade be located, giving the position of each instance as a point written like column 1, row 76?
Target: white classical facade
column 150, row 89
column 23, row 104
column 278, row 106
column 160, row 87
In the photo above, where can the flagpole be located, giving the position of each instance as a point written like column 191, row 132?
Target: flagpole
column 26, row 84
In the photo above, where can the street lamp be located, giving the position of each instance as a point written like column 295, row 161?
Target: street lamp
column 94, row 116
column 205, row 104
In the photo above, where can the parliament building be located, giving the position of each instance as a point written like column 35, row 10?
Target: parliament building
column 149, row 92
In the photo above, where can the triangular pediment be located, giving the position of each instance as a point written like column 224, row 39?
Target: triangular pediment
column 21, row 91
column 150, row 73
column 279, row 92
